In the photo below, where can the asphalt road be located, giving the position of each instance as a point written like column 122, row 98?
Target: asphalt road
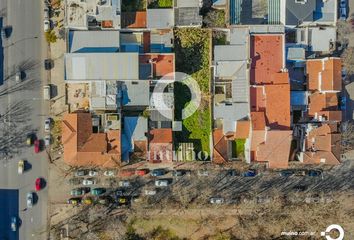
column 23, row 111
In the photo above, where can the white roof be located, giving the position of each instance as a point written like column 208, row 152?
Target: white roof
column 101, row 66
column 160, row 18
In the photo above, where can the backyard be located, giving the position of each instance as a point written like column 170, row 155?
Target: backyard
column 192, row 49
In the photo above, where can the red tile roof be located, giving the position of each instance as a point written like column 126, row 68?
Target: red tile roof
column 258, row 120
column 324, row 74
column 220, row 147
column 325, row 105
column 160, row 145
column 267, row 58
column 162, row 63
column 82, row 147
column 242, row 129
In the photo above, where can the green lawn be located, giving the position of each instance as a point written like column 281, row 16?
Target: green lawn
column 161, row 4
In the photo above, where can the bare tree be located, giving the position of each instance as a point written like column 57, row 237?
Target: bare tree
column 347, row 136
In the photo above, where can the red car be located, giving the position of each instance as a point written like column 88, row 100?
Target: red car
column 38, row 184
column 36, row 146
column 141, row 172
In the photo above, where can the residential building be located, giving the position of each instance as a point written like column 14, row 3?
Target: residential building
column 93, row 41
column 160, row 18
column 317, row 39
column 187, row 13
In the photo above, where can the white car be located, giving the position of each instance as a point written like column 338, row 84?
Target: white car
column 46, row 25
column 21, row 166
column 161, row 183
column 47, row 140
column 109, row 173
column 29, row 199
column 89, row 181
column 124, row 183
column 18, row 77
column 47, row 123
column 150, row 192
column 46, row 13
column 216, row 200
column 93, row 173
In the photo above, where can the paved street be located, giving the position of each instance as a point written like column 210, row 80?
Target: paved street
column 25, row 112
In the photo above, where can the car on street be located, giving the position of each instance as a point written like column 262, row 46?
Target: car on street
column 151, row 192
column 343, row 13
column 46, row 13
column 89, row 181
column 342, row 103
column 38, row 184
column 87, row 201
column 142, row 172
column 216, row 200
column 46, row 25
column 314, row 173
column 104, row 199
column 158, row 172
column 79, row 191
column 93, row 173
column 21, row 166
column 46, row 92
column 47, row 124
column 109, row 173
column 3, row 33
column 203, row 173
column 48, row 64
column 122, row 200
column 81, row 172
column 286, row 173
column 162, row 183
column 37, row 147
column 343, row 3
column 47, row 140
column 18, row 77
column 29, row 199
column 13, row 224
column 74, row 201
column 29, row 139
column 124, row 183
column 178, row 173
column 250, row 173
column 98, row 191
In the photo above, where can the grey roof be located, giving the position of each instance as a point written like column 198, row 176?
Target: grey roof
column 318, row 39
column 160, row 18
column 296, row 53
column 230, row 114
column 310, row 11
column 101, row 66
column 84, row 41
column 164, row 38
column 134, row 93
column 137, row 126
column 239, row 36
column 187, row 3
column 230, row 53
column 188, row 16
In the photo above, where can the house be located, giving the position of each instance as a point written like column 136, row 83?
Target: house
column 318, row 143
column 154, row 66
column 231, row 92
column 160, row 145
column 317, row 39
column 85, row 148
column 310, row 12
column 161, row 18
column 187, row 13
column 134, row 20
column 93, row 41
column 93, row 14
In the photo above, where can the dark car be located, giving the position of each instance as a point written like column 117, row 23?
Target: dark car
column 250, row 173
column 81, row 172
column 178, row 173
column 98, row 191
column 48, row 64
column 75, row 181
column 158, row 172
column 314, row 173
column 286, row 173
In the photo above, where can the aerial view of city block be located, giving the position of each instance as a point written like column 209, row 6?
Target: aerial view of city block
column 176, row 119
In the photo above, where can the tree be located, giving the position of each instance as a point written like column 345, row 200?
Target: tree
column 348, row 60
column 215, row 18
column 347, row 136
column 50, row 36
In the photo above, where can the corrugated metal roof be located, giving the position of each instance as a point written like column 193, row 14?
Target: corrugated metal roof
column 274, row 11
column 88, row 41
column 101, row 66
column 160, row 18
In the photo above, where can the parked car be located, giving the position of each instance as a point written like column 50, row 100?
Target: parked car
column 124, row 183
column 343, row 3
column 81, row 172
column 79, row 191
column 343, row 103
column 74, row 181
column 38, row 184
column 46, row 92
column 104, row 200
column 286, row 173
column 89, row 181
column 178, row 173
column 98, row 191
column 29, row 199
column 46, row 13
column 203, row 173
column 93, row 173
column 343, row 13
column 216, row 200
column 13, row 224
column 150, row 192
column 47, row 124
column 314, row 173
column 109, row 173
column 47, row 140
column 46, row 25
column 18, row 76
column 3, row 33
column 37, row 147
column 48, row 64
column 122, row 200
column 162, row 183
column 141, row 172
column 158, row 172
column 250, row 173
column 29, row 139
column 87, row 201
column 21, row 166
column 74, row 201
